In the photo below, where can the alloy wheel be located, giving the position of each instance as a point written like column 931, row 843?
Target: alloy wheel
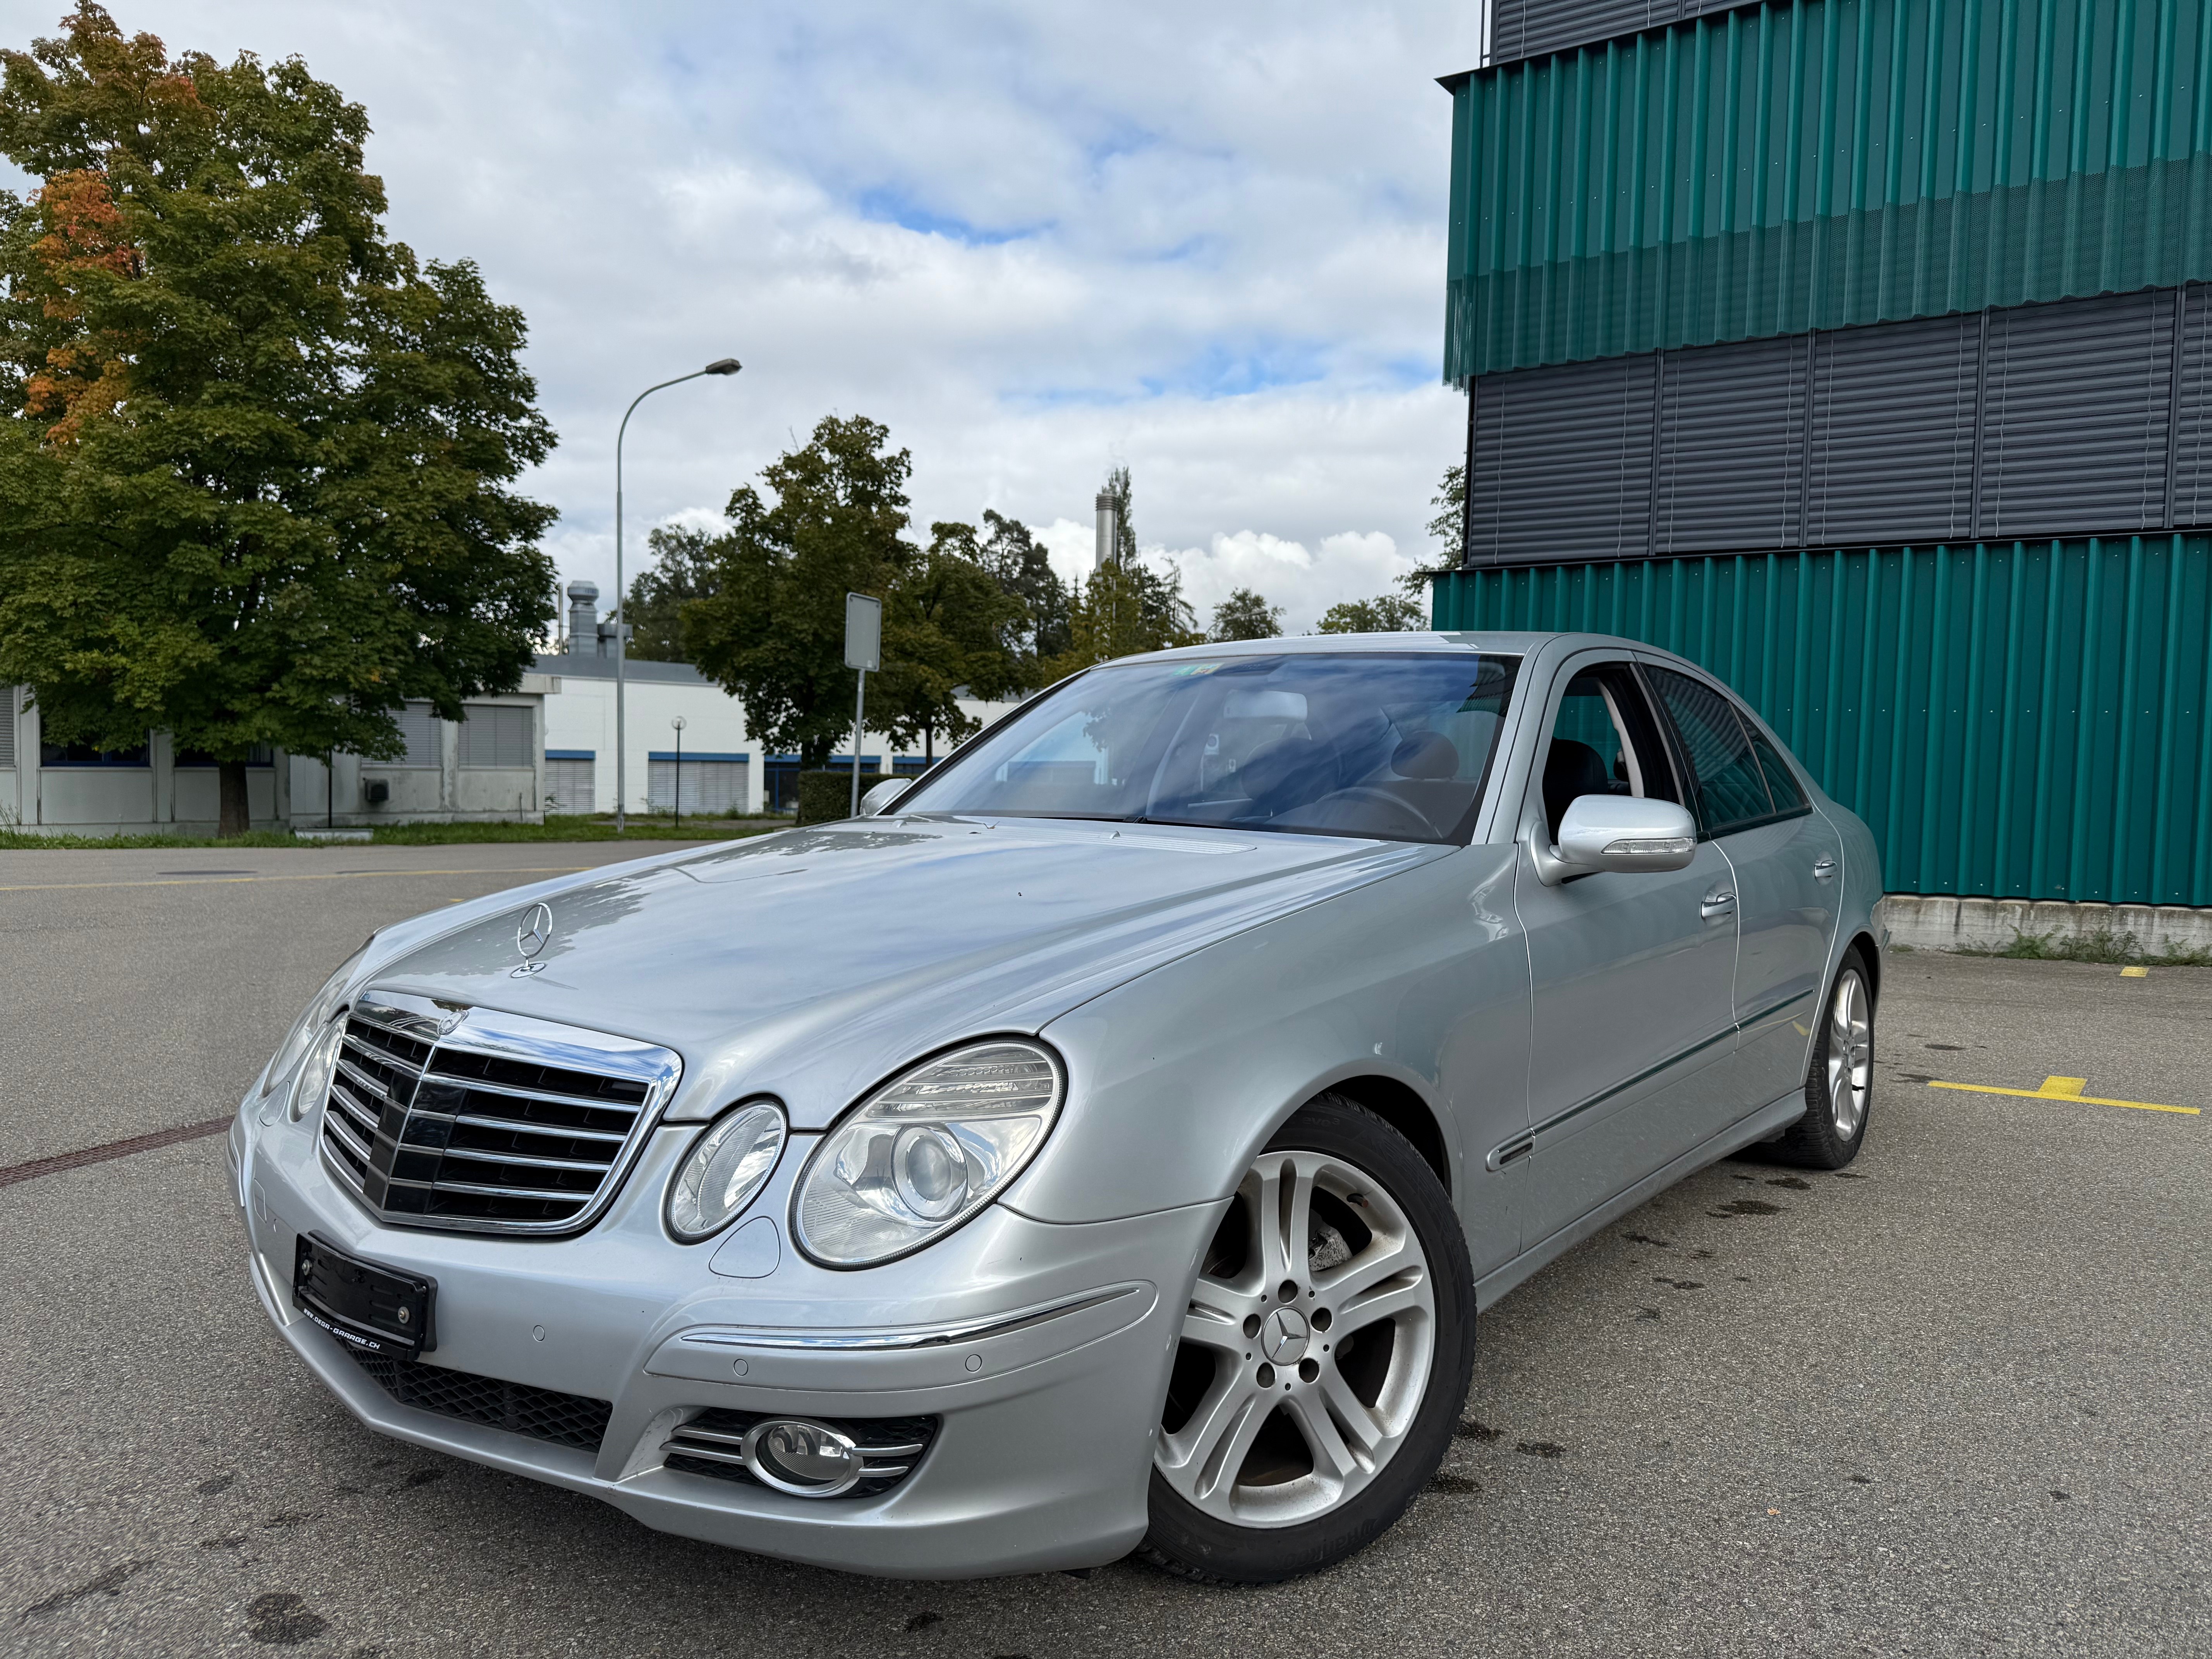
column 1850, row 1053
column 1306, row 1349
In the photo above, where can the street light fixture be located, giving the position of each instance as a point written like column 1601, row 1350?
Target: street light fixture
column 677, row 795
column 719, row 366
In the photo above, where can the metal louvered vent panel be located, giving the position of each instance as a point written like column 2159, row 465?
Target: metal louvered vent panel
column 1732, row 432
column 1562, row 463
column 2192, row 433
column 2074, row 415
column 1892, row 449
column 471, row 1120
column 1525, row 29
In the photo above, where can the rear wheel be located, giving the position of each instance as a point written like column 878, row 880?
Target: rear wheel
column 1324, row 1356
column 1840, row 1083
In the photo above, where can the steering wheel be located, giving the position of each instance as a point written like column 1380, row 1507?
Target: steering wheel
column 1410, row 819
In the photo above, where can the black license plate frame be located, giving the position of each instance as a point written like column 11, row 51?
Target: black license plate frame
column 368, row 1305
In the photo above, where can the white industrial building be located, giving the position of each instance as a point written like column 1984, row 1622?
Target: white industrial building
column 724, row 770
column 491, row 766
column 548, row 746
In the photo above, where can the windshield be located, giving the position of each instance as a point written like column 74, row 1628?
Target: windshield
column 1391, row 745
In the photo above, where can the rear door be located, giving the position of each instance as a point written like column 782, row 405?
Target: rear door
column 1631, row 972
column 1787, row 862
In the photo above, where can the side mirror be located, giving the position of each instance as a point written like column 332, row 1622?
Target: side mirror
column 1618, row 832
column 874, row 803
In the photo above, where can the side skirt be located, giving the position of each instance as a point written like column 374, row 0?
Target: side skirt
column 1758, row 1127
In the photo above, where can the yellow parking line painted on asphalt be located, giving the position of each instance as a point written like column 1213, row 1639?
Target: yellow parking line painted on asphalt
column 2066, row 1088
column 2135, row 973
column 330, row 875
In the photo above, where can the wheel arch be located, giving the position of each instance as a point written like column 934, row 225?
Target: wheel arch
column 1402, row 1107
column 1870, row 954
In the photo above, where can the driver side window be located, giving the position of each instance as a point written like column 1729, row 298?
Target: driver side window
column 1604, row 741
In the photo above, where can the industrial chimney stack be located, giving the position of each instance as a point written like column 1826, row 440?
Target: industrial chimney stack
column 584, row 620
column 1110, row 528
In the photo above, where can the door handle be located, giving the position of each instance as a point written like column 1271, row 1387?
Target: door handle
column 1824, row 868
column 1720, row 902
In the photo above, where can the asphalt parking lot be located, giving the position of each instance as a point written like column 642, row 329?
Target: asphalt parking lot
column 1952, row 1401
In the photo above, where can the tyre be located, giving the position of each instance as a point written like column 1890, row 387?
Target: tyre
column 1323, row 1360
column 1840, row 1083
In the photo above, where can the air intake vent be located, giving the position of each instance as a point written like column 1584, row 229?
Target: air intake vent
column 566, row 1420
column 714, row 1443
column 479, row 1121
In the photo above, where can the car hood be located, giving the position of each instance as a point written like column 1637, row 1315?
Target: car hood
column 813, row 964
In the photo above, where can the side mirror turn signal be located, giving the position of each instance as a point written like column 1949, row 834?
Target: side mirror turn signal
column 1617, row 832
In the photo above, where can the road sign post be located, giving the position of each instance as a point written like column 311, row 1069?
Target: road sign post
column 864, row 650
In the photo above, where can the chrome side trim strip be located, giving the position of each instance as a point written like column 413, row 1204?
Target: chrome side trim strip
column 1773, row 1009
column 904, row 1337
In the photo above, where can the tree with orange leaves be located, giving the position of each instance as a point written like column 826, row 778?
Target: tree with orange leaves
column 256, row 459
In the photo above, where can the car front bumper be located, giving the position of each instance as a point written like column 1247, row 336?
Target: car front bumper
column 1041, row 1349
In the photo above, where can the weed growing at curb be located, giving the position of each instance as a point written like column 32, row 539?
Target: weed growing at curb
column 2102, row 947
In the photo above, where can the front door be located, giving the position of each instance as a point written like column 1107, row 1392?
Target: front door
column 1633, row 1036
column 1787, row 860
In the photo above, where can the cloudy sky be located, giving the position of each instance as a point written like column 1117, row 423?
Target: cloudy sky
column 1033, row 239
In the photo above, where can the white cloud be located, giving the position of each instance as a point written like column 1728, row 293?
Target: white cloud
column 1032, row 240
column 1351, row 565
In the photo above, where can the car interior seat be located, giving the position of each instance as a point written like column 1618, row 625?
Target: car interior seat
column 1571, row 768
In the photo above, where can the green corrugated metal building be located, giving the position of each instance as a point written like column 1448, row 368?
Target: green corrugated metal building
column 1859, row 350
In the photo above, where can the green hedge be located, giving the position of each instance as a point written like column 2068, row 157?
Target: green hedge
column 824, row 796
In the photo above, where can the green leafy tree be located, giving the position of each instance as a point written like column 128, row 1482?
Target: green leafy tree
column 1448, row 530
column 772, row 631
column 683, row 570
column 253, row 455
column 1022, row 568
column 948, row 626
column 1244, row 615
column 1124, row 607
column 1391, row 613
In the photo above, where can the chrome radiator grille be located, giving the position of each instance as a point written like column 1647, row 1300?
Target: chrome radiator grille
column 469, row 1120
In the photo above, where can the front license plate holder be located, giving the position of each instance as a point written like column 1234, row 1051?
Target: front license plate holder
column 366, row 1305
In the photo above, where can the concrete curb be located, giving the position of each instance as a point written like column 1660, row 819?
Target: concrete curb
column 1927, row 922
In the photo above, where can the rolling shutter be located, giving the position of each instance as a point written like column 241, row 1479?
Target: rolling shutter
column 2075, row 416
column 570, row 785
column 1562, row 463
column 418, row 729
column 1731, row 439
column 496, row 735
column 7, row 728
column 1892, row 456
column 715, row 787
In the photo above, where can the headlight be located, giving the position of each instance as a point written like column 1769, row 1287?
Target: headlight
column 725, row 1171
column 925, row 1152
column 305, row 1029
column 316, row 1071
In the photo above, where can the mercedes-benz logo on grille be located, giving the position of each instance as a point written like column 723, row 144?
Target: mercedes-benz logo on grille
column 534, row 932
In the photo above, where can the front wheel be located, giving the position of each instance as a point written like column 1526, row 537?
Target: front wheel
column 1324, row 1356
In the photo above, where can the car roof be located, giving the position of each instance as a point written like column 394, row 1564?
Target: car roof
column 1489, row 643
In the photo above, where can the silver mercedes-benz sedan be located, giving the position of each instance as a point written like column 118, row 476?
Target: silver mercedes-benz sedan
column 1107, row 1143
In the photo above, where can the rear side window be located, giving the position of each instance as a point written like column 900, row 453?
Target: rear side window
column 1730, row 789
column 1781, row 781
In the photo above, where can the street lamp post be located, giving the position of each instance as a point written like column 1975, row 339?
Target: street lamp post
column 719, row 366
column 678, row 796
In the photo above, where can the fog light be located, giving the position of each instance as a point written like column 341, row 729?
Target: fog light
column 801, row 1457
